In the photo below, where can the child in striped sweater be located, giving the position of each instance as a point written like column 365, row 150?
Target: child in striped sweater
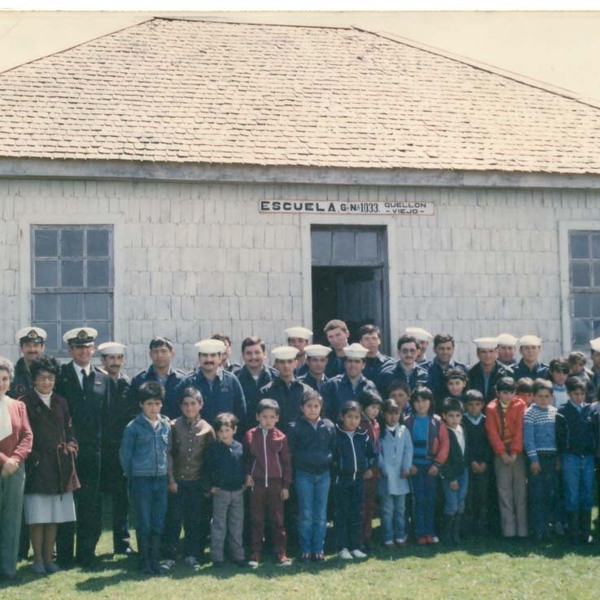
column 539, row 439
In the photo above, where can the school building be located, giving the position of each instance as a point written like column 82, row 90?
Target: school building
column 183, row 178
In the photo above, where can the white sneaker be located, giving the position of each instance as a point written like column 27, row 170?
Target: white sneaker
column 435, row 539
column 401, row 541
column 192, row 562
column 345, row 554
column 389, row 544
column 358, row 553
column 167, row 565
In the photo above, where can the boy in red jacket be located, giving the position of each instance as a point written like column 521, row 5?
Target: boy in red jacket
column 504, row 426
column 269, row 475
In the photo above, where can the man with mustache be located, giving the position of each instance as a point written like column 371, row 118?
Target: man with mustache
column 221, row 391
column 32, row 341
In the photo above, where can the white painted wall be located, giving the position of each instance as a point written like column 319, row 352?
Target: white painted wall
column 194, row 259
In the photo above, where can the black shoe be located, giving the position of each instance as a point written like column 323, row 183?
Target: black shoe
column 242, row 564
column 126, row 550
column 219, row 564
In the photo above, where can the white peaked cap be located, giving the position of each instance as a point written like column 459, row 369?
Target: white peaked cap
column 80, row 336
column 31, row 334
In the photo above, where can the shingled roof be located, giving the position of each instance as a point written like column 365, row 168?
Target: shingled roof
column 185, row 91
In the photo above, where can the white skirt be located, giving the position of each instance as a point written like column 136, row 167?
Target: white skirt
column 49, row 508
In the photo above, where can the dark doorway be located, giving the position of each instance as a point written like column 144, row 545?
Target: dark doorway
column 349, row 278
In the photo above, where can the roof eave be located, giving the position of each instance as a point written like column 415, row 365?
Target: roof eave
column 36, row 168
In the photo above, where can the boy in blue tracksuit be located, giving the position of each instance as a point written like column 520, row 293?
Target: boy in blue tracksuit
column 312, row 441
column 354, row 457
column 143, row 456
column 576, row 444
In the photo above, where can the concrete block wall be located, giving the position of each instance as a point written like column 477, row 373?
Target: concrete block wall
column 195, row 259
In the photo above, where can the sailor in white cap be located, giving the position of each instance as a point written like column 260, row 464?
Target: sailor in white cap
column 530, row 347
column 343, row 388
column 32, row 342
column 87, row 391
column 118, row 414
column 507, row 346
column 226, row 362
column 221, row 390
column 299, row 337
column 406, row 369
column 316, row 362
column 286, row 389
column 484, row 374
column 423, row 338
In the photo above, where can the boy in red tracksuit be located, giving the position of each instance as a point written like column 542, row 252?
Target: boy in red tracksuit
column 269, row 475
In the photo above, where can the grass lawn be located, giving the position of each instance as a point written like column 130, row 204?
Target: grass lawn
column 494, row 569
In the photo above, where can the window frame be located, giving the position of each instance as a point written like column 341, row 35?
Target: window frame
column 85, row 290
column 566, row 228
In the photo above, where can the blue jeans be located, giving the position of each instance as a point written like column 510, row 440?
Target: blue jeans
column 424, row 495
column 454, row 500
column 578, row 475
column 312, row 490
column 150, row 501
column 349, row 497
column 184, row 507
column 393, row 523
column 542, row 494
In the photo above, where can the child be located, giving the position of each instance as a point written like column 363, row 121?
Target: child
column 395, row 460
column 456, row 382
column 539, row 438
column 399, row 391
column 504, row 426
column 525, row 390
column 455, row 471
column 354, row 457
column 143, row 456
column 371, row 405
column 577, row 445
column 190, row 435
column 577, row 366
column 430, row 451
column 269, row 474
column 558, row 373
column 480, row 459
column 312, row 444
column 225, row 480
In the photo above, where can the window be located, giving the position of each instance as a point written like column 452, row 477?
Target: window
column 584, row 278
column 72, row 281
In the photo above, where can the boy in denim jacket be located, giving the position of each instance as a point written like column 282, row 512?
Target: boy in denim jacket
column 143, row 456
